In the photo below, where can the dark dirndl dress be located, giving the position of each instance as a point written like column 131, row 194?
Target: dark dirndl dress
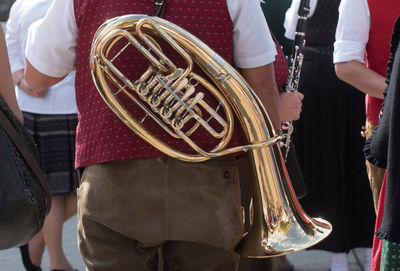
column 382, row 149
column 329, row 149
column 328, row 141
column 55, row 138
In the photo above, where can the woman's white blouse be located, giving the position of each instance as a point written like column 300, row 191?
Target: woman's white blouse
column 352, row 30
column 60, row 98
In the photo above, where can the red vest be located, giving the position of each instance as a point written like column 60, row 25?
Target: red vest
column 383, row 14
column 281, row 67
column 101, row 136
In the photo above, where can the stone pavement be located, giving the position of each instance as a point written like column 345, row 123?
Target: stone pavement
column 310, row 260
column 10, row 259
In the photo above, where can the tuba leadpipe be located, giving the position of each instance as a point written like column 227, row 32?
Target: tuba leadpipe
column 167, row 95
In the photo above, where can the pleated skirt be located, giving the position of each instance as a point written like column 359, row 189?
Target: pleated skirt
column 55, row 139
column 329, row 148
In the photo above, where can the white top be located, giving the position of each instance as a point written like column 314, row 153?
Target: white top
column 291, row 17
column 253, row 44
column 352, row 32
column 60, row 98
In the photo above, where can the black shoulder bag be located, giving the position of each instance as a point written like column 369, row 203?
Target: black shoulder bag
column 24, row 193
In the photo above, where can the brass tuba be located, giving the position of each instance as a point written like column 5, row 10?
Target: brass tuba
column 167, row 95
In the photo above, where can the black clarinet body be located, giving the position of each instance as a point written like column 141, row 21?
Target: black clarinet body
column 295, row 63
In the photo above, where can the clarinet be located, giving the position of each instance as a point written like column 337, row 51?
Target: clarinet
column 295, row 63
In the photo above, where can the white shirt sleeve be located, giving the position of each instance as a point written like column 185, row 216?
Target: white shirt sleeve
column 352, row 32
column 291, row 17
column 54, row 56
column 253, row 45
column 15, row 53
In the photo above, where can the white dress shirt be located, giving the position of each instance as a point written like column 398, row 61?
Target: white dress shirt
column 352, row 32
column 59, row 99
column 291, row 17
column 253, row 44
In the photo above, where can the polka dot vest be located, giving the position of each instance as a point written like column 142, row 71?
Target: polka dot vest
column 101, row 136
column 281, row 67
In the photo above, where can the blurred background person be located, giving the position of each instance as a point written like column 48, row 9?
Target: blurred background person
column 328, row 142
column 382, row 149
column 6, row 83
column 361, row 55
column 50, row 116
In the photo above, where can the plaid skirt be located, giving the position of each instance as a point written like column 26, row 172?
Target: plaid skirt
column 55, row 138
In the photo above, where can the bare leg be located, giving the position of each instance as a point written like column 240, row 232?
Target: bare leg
column 69, row 206
column 36, row 248
column 63, row 207
column 52, row 230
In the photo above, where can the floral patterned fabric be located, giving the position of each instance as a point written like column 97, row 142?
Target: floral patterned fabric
column 390, row 260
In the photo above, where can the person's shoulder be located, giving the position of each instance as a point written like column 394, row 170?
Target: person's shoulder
column 359, row 3
column 30, row 8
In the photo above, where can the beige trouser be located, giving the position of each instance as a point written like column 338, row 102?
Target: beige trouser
column 375, row 174
column 130, row 211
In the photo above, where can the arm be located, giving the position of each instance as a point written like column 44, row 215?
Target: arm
column 352, row 35
column 6, row 83
column 361, row 77
column 253, row 54
column 37, row 80
column 262, row 81
column 19, row 80
column 48, row 61
column 15, row 40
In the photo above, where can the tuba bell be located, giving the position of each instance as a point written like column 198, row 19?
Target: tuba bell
column 167, row 94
